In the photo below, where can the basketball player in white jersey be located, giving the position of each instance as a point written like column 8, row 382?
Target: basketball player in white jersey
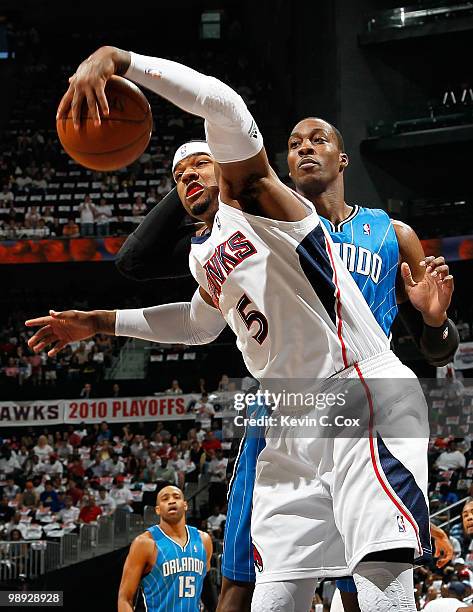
column 268, row 266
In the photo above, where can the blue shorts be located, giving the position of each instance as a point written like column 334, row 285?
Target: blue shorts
column 237, row 559
column 346, row 585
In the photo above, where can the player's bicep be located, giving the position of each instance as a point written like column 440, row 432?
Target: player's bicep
column 208, row 545
column 411, row 251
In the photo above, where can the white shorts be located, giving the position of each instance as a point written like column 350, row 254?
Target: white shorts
column 322, row 503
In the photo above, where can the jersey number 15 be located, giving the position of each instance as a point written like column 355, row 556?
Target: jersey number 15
column 186, row 586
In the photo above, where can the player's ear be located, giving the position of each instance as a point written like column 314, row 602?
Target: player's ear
column 185, row 506
column 344, row 161
column 157, row 510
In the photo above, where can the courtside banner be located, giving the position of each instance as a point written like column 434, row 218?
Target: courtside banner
column 46, row 412
column 124, row 409
column 112, row 410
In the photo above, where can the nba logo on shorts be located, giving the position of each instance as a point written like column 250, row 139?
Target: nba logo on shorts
column 366, row 229
column 257, row 559
column 401, row 525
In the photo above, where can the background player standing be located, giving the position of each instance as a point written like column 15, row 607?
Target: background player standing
column 169, row 560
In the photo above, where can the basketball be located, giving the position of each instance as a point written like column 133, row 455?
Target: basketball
column 122, row 136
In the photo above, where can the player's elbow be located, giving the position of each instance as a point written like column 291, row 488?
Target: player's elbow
column 202, row 337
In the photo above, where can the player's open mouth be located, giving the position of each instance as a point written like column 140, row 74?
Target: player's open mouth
column 194, row 189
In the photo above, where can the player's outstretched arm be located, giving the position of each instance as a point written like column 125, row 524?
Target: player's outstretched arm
column 195, row 322
column 139, row 560
column 246, row 179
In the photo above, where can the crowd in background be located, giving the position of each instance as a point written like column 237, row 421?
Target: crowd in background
column 50, row 482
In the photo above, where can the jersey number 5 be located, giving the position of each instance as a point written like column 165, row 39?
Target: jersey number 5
column 186, row 586
column 253, row 316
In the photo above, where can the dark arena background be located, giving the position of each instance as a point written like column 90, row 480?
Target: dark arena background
column 129, row 415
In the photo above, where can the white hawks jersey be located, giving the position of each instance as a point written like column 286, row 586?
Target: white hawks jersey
column 286, row 294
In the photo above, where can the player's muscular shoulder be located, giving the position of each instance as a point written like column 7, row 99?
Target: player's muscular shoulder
column 144, row 547
column 207, row 542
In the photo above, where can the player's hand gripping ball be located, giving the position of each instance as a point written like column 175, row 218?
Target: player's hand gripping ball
column 120, row 137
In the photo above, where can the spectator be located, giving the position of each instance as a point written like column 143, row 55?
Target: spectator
column 451, row 459
column 204, row 412
column 122, row 495
column 217, row 470
column 174, row 389
column 48, row 217
column 215, row 520
column 114, row 466
column 15, row 523
column 71, row 229
column 211, row 442
column 74, row 491
column 6, row 511
column 89, row 511
column 105, row 433
column 12, row 370
column 42, row 450
column 105, row 502
column 103, row 214
column 29, row 497
column 41, row 230
column 97, row 468
column 49, row 497
column 11, row 490
column 75, row 468
column 165, row 472
column 152, row 198
column 86, row 391
column 32, row 217
column 451, row 600
column 116, row 390
column 8, row 462
column 139, row 207
column 70, row 513
column 447, row 497
column 164, row 186
column 87, row 212
column 153, row 464
column 6, row 197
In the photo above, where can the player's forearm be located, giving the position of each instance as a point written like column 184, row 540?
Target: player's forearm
column 124, row 604
column 438, row 343
column 231, row 130
column 181, row 323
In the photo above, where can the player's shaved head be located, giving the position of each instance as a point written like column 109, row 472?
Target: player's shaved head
column 330, row 126
column 170, row 489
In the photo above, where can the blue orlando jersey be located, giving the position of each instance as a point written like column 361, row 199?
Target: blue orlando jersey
column 367, row 244
column 175, row 582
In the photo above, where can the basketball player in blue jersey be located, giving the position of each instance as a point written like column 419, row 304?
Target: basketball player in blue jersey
column 331, row 331
column 168, row 561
